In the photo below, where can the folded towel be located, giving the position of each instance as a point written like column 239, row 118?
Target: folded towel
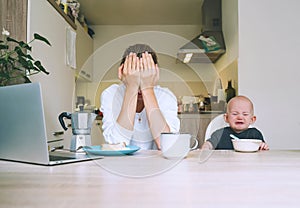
column 71, row 48
column 209, row 43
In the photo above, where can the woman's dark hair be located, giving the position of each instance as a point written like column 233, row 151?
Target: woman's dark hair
column 139, row 49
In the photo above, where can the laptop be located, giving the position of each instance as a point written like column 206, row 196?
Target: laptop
column 23, row 129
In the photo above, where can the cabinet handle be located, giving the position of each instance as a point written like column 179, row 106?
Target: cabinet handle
column 58, row 133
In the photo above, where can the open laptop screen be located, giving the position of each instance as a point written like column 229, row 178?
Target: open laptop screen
column 22, row 126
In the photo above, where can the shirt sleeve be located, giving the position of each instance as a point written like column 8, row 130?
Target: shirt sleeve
column 216, row 137
column 168, row 106
column 113, row 133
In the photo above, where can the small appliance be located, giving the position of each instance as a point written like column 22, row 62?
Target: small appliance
column 81, row 122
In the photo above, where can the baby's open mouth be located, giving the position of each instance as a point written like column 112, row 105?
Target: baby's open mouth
column 239, row 123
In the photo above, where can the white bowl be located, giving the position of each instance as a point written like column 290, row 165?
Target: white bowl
column 246, row 145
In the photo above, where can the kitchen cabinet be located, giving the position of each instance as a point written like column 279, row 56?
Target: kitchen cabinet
column 97, row 133
column 195, row 124
column 84, row 52
column 84, row 47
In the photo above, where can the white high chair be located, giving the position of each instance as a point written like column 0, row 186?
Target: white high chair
column 215, row 124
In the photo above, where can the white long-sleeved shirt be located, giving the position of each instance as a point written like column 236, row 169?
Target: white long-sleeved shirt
column 111, row 103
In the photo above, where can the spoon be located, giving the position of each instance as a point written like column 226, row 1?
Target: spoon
column 234, row 137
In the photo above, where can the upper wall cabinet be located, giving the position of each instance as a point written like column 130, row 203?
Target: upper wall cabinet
column 84, row 46
column 84, row 52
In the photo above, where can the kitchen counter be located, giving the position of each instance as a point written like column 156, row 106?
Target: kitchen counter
column 196, row 124
column 203, row 112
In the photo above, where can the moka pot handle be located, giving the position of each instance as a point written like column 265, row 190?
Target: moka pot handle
column 61, row 119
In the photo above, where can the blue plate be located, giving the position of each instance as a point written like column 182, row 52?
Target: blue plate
column 96, row 150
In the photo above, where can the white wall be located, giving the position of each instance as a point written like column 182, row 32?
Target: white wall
column 58, row 86
column 269, row 71
column 230, row 32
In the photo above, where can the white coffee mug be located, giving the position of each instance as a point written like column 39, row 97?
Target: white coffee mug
column 176, row 145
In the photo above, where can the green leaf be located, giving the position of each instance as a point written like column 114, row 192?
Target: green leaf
column 24, row 45
column 2, row 60
column 29, row 57
column 41, row 68
column 24, row 63
column 30, row 64
column 3, row 47
column 41, row 38
column 27, row 80
column 19, row 51
column 11, row 59
column 15, row 63
column 12, row 40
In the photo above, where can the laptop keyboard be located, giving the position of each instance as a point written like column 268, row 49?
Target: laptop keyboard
column 57, row 158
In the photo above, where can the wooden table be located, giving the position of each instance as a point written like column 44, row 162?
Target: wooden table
column 203, row 179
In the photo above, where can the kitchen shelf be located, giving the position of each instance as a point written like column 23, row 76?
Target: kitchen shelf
column 64, row 15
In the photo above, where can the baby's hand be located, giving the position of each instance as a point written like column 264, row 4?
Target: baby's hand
column 263, row 146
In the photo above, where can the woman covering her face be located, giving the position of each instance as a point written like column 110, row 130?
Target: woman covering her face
column 137, row 111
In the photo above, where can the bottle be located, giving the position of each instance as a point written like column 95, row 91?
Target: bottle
column 201, row 106
column 180, row 105
column 230, row 91
column 191, row 107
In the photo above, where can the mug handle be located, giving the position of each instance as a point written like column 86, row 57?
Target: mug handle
column 196, row 143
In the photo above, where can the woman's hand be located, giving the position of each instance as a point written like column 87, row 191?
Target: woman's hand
column 129, row 72
column 149, row 71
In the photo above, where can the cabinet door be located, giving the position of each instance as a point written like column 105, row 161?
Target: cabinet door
column 190, row 123
column 84, row 51
column 97, row 133
column 195, row 124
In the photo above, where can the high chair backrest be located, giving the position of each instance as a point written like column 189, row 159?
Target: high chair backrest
column 215, row 124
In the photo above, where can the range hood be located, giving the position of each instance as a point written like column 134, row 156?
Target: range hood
column 209, row 46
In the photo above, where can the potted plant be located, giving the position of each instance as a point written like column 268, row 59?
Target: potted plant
column 16, row 63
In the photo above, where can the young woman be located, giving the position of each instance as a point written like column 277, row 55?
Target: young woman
column 138, row 110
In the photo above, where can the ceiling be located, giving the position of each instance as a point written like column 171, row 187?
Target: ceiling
column 141, row 12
